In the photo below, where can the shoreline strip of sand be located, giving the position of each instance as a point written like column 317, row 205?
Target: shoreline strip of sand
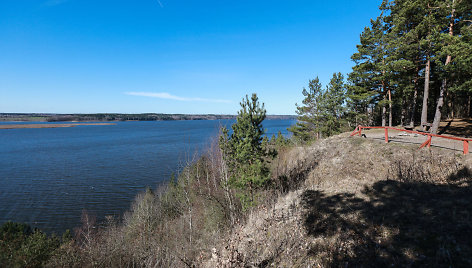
column 15, row 126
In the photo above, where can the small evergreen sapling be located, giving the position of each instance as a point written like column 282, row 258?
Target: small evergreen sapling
column 244, row 153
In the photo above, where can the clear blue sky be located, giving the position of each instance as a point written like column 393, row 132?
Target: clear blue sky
column 171, row 56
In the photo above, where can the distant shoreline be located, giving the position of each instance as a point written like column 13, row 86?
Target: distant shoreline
column 16, row 126
column 39, row 117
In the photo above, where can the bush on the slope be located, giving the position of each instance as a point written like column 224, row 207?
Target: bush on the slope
column 170, row 227
column 22, row 246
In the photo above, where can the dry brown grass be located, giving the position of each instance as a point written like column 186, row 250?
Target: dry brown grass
column 341, row 202
column 359, row 203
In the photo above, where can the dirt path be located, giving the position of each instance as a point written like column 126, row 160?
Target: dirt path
column 455, row 127
column 407, row 138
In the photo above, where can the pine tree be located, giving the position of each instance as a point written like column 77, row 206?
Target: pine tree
column 244, row 152
column 323, row 110
column 369, row 80
column 456, row 15
column 406, row 53
column 461, row 52
column 332, row 107
column 413, row 44
column 308, row 125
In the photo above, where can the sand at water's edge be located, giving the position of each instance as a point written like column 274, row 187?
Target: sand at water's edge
column 13, row 126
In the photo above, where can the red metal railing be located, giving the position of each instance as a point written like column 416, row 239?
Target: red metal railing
column 465, row 141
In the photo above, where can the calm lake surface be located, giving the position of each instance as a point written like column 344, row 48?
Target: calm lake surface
column 48, row 176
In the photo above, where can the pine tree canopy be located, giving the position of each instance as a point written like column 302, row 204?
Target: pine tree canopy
column 244, row 151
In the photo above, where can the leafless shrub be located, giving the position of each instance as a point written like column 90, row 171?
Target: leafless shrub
column 175, row 226
column 184, row 223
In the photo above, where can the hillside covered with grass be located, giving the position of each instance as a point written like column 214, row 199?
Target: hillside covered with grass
column 336, row 202
column 339, row 202
column 360, row 203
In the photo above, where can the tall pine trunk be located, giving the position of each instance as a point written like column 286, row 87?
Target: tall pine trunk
column 413, row 104
column 469, row 108
column 415, row 96
column 384, row 112
column 440, row 104
column 450, row 104
column 389, row 108
column 403, row 112
column 424, row 110
column 443, row 89
column 384, row 90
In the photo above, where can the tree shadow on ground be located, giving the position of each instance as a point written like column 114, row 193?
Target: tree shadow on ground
column 399, row 224
column 457, row 127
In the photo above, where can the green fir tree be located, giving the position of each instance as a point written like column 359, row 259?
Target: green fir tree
column 309, row 115
column 244, row 151
column 322, row 112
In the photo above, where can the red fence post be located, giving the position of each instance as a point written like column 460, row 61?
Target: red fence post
column 386, row 135
column 427, row 142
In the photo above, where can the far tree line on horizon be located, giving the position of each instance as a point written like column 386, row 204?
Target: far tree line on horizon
column 413, row 67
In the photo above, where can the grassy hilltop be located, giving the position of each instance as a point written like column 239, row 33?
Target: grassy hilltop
column 251, row 201
column 359, row 203
column 340, row 202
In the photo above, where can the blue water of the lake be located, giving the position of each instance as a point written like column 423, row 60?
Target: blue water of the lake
column 49, row 175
